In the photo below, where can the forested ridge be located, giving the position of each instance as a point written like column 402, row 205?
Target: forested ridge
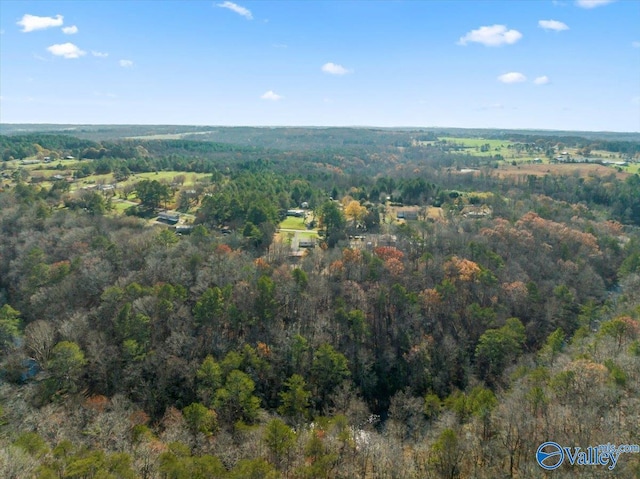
column 452, row 347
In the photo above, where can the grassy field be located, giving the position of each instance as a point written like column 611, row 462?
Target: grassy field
column 56, row 166
column 293, row 223
column 119, row 207
column 292, row 228
column 605, row 155
column 476, row 142
column 307, row 235
column 44, row 171
column 66, row 168
column 435, row 213
column 164, row 176
column 634, row 168
column 472, row 146
column 288, row 236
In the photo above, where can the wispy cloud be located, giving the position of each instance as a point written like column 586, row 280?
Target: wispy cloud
column 512, row 77
column 491, row 36
column 271, row 96
column 335, row 69
column 126, row 63
column 70, row 30
column 99, row 54
column 593, row 3
column 30, row 23
column 635, row 44
column 553, row 25
column 492, row 106
column 66, row 50
column 543, row 80
column 234, row 7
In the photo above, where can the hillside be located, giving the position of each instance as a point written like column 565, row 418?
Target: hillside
column 449, row 310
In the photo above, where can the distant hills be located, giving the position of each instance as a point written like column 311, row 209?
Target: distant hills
column 296, row 137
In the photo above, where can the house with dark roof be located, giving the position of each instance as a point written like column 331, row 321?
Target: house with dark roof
column 167, row 217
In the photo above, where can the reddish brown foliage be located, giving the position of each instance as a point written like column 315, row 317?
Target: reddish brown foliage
column 336, row 267
column 263, row 349
column 461, row 269
column 394, row 266
column 98, row 403
column 350, row 255
column 223, row 249
column 138, row 418
column 388, row 252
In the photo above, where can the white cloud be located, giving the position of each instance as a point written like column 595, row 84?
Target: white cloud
column 272, row 96
column 334, row 69
column 99, row 54
column 512, row 77
column 126, row 63
column 492, row 36
column 492, row 106
column 543, row 80
column 66, row 50
column 593, row 3
column 70, row 30
column 553, row 25
column 635, row 44
column 234, row 7
column 29, row 23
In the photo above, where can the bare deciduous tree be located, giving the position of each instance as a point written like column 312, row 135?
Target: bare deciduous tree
column 39, row 339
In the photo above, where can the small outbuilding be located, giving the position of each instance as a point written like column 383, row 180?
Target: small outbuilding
column 167, row 217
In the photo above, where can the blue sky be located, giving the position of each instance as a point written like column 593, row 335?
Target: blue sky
column 572, row 64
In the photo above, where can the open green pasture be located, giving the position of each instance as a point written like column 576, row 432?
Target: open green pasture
column 119, row 207
column 308, row 235
column 507, row 149
column 632, row 168
column 162, row 176
column 41, row 166
column 476, row 142
column 168, row 177
column 288, row 236
column 293, row 223
column 473, row 146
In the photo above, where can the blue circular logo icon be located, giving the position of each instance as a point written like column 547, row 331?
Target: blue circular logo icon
column 550, row 456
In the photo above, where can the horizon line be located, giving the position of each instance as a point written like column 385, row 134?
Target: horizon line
column 397, row 127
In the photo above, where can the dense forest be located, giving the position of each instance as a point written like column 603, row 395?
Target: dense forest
column 451, row 346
